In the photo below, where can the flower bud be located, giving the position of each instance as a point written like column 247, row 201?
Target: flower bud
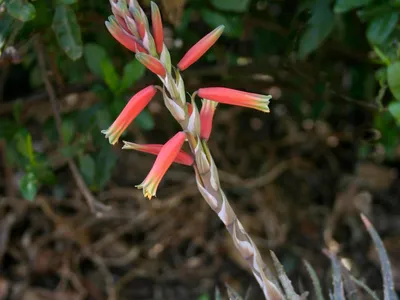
column 151, row 63
column 200, row 48
column 128, row 41
column 156, row 23
column 206, row 118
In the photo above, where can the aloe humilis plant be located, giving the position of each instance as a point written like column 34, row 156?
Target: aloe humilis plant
column 130, row 27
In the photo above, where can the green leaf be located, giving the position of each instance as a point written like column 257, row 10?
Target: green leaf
column 68, row 130
column 7, row 128
column 24, row 145
column 28, row 186
column 74, row 71
column 381, row 27
column 232, row 5
column 43, row 172
column 21, row 10
column 17, row 111
column 87, row 167
column 44, row 16
column 372, row 11
column 35, row 78
column 110, row 75
column 342, row 6
column 67, row 31
column 394, row 108
column 94, row 55
column 70, row 151
column 393, row 77
column 105, row 163
column 203, row 297
column 6, row 23
column 145, row 120
column 133, row 71
column 233, row 24
column 103, row 118
column 320, row 26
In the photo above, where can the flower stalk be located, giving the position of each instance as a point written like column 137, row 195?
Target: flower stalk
column 196, row 129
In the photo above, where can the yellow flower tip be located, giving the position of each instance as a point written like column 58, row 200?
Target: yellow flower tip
column 148, row 195
column 146, row 192
column 112, row 139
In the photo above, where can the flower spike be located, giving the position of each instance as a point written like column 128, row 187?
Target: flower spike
column 151, row 63
column 135, row 105
column 165, row 158
column 182, row 158
column 156, row 23
column 206, row 118
column 200, row 48
column 235, row 97
column 134, row 9
column 128, row 41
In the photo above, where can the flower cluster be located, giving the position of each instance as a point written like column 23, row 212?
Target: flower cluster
column 129, row 25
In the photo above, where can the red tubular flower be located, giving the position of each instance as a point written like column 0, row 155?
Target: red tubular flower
column 182, row 158
column 206, row 118
column 165, row 158
column 235, row 97
column 125, row 39
column 135, row 105
column 200, row 48
column 156, row 23
column 151, row 63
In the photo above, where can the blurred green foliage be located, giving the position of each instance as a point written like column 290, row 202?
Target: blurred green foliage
column 296, row 31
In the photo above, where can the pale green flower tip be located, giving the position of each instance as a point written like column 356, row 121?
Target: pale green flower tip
column 106, row 133
column 220, row 29
column 140, row 55
column 154, row 7
column 263, row 107
column 112, row 139
column 129, row 145
column 126, row 145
